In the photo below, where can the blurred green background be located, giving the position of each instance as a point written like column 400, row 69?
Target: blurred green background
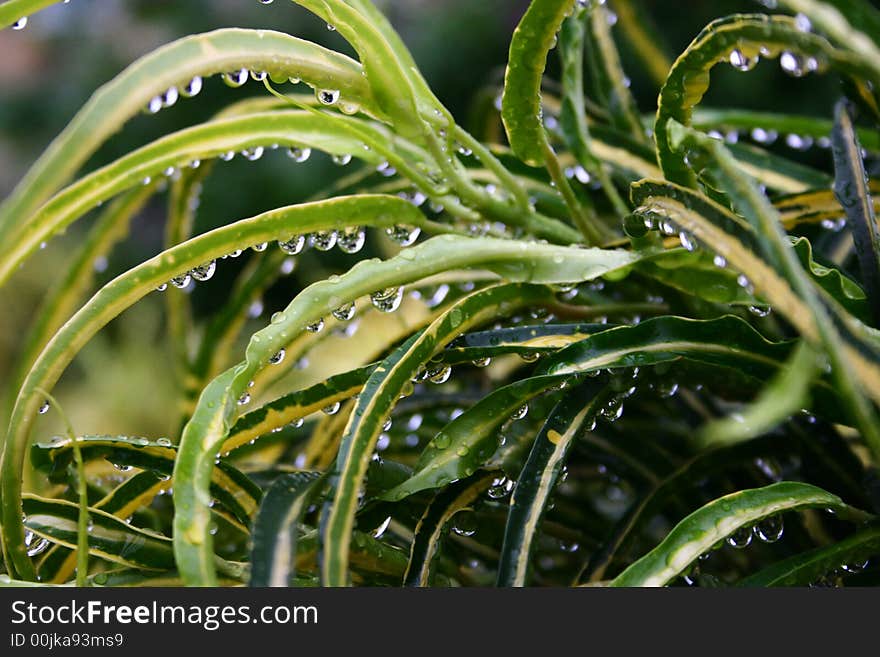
column 122, row 381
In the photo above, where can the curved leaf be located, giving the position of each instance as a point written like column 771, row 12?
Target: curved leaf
column 705, row 527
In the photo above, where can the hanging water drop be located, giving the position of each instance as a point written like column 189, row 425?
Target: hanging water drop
column 352, row 239
column 324, row 240
column 260, row 246
column 44, row 408
column 792, row 64
column 204, row 272
column 500, row 488
column 481, row 362
column 253, row 154
column 299, row 154
column 227, row 156
column 345, row 312
column 244, row 399
column 759, row 311
column 719, row 261
column 277, row 357
column 258, row 76
column 687, row 241
column 331, row 409
column 520, row 413
column 20, row 24
column 327, row 96
column 464, row 523
column 770, row 529
column 741, row 538
column 341, row 159
column 294, row 245
column 440, row 375
column 742, row 62
column 316, row 326
column 154, row 105
column 181, row 281
column 192, row 88
column 387, row 300
column 403, row 234
column 235, row 79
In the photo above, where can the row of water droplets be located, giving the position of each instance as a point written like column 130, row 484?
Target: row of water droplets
column 349, row 240
column 659, row 219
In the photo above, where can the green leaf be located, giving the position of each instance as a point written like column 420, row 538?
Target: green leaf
column 688, row 80
column 231, row 488
column 521, row 110
column 209, row 426
column 712, row 523
column 785, row 394
column 568, row 420
column 805, row 568
column 337, row 135
column 374, row 405
column 139, row 281
column 851, row 188
column 110, row 538
column 273, row 552
column 280, row 55
column 430, row 528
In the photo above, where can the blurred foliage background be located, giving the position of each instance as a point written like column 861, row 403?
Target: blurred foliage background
column 49, row 69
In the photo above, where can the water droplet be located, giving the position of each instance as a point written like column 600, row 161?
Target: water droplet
column 742, row 62
column 345, row 312
column 377, row 533
column 481, row 362
column 341, row 159
column 387, row 300
column 155, row 105
column 253, row 154
column 244, row 399
column 762, row 136
column 20, row 24
column 613, row 410
column 797, row 142
column 192, row 88
column 260, row 247
column 235, row 79
column 227, row 156
column 520, row 413
column 464, row 523
column 719, row 261
column 856, row 567
column 258, row 76
column 316, row 326
column 351, row 240
column 277, row 357
column 299, row 154
column 743, row 281
column 163, row 442
column 803, row 23
column 162, row 287
column 44, row 408
column 741, row 538
column 204, row 272
column 500, row 488
column 331, row 409
column 404, row 235
column 37, row 547
column 440, row 375
column 792, row 64
column 666, row 389
column 324, row 240
column 327, row 96
column 759, row 311
column 770, row 529
column 687, row 241
column 294, row 245
column 181, row 281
